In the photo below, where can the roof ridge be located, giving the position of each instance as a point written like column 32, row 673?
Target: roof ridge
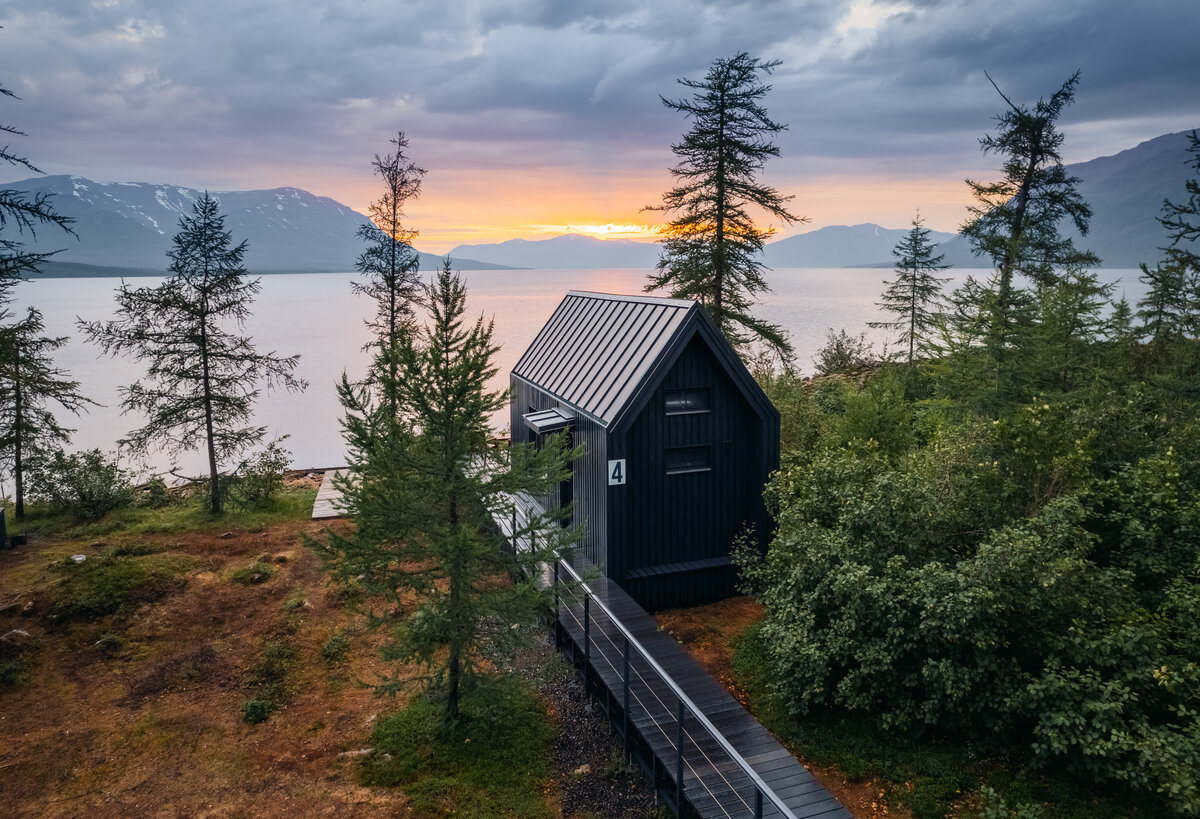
column 663, row 300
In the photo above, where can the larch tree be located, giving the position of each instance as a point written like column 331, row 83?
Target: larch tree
column 29, row 384
column 915, row 295
column 390, row 263
column 424, row 543
column 711, row 248
column 203, row 373
column 1015, row 224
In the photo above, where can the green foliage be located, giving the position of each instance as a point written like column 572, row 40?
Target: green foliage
column 710, row 250
column 203, row 377
column 272, row 677
column 12, row 671
column 259, row 477
column 252, row 575
column 915, row 295
column 86, row 485
column 494, row 763
column 842, row 353
column 1027, row 581
column 425, row 546
column 154, row 493
column 257, row 710
column 336, row 648
column 111, row 585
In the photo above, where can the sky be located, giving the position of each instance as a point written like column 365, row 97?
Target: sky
column 538, row 117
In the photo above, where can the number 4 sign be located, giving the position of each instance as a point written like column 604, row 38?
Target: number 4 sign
column 616, row 472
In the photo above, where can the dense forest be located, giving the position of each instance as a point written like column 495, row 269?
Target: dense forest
column 992, row 536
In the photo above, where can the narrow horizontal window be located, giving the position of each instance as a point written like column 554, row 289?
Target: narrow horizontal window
column 683, row 459
column 679, row 402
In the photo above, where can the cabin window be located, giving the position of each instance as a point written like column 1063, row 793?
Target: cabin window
column 682, row 459
column 682, row 402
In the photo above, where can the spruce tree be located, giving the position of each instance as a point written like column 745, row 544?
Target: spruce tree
column 203, row 374
column 915, row 295
column 423, row 498
column 29, row 384
column 1182, row 219
column 711, row 249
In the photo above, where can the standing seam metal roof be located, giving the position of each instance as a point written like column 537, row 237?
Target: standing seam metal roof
column 597, row 348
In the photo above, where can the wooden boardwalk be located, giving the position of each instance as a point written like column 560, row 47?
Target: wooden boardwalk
column 326, row 506
column 645, row 681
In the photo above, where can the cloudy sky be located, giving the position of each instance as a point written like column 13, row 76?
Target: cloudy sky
column 532, row 116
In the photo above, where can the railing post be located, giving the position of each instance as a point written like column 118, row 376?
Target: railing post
column 679, row 762
column 514, row 529
column 757, row 802
column 587, row 641
column 556, row 606
column 625, row 709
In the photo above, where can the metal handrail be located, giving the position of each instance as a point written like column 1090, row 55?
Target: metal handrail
column 712, row 730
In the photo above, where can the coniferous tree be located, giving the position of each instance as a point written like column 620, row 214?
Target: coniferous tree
column 390, row 263
column 1182, row 219
column 29, row 383
column 423, row 500
column 915, row 295
column 203, row 375
column 710, row 250
column 1015, row 224
column 21, row 213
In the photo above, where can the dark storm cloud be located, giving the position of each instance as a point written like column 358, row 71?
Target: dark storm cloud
column 189, row 91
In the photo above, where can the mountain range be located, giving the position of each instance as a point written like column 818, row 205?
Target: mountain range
column 1125, row 191
column 127, row 227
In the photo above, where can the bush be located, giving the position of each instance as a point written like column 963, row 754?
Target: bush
column 842, row 352
column 254, row 574
column 259, row 477
column 336, row 648
column 256, row 711
column 85, row 484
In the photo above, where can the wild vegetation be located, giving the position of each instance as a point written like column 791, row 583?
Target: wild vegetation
column 996, row 544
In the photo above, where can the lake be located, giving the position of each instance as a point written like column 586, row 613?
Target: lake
column 317, row 316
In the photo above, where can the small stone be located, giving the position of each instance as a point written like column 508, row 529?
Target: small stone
column 28, row 607
column 79, row 558
column 225, row 535
column 17, row 637
column 582, row 770
column 96, row 544
column 263, row 558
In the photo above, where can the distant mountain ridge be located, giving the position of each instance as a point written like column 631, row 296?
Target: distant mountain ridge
column 1125, row 191
column 131, row 224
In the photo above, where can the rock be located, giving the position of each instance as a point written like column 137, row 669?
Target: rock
column 79, row 558
column 225, row 535
column 263, row 558
column 28, row 607
column 353, row 754
column 96, row 544
column 17, row 637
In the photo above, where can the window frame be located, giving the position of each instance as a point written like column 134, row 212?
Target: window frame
column 705, row 402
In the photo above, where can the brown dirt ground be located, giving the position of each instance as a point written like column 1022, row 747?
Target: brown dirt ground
column 709, row 634
column 151, row 724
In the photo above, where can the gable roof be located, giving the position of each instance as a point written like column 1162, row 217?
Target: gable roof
column 598, row 351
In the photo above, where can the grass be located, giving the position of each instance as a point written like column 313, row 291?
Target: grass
column 932, row 779
column 493, row 763
column 256, row 573
column 273, row 679
column 113, row 584
column 182, row 515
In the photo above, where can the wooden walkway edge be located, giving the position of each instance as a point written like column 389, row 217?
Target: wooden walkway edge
column 327, row 506
column 645, row 709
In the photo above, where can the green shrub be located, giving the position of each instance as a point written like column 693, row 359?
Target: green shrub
column 105, row 584
column 842, row 352
column 259, row 477
column 12, row 671
column 154, row 494
column 336, row 649
column 256, row 573
column 257, row 710
column 84, row 484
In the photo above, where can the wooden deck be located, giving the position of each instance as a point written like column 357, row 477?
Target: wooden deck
column 326, row 506
column 645, row 681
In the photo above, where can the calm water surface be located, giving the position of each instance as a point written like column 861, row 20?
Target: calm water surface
column 317, row 316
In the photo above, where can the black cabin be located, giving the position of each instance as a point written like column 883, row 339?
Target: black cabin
column 679, row 440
